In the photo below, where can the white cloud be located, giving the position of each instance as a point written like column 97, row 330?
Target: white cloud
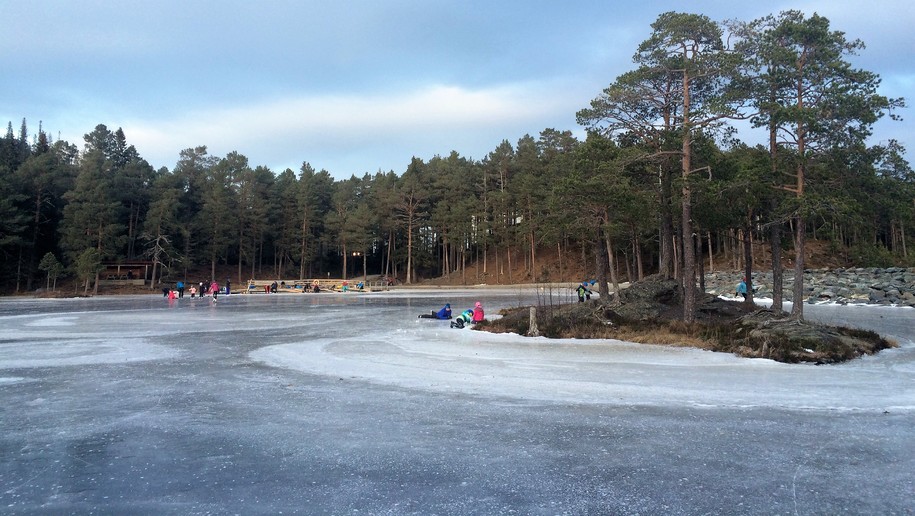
column 303, row 126
column 287, row 82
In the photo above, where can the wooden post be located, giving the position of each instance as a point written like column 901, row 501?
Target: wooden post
column 532, row 330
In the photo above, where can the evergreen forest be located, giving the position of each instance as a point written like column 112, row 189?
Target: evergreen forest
column 662, row 178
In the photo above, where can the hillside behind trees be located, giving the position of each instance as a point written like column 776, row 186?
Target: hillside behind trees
column 661, row 182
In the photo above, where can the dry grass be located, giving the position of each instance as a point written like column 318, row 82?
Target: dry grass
column 582, row 322
column 663, row 336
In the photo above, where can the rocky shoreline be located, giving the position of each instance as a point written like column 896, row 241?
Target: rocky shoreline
column 891, row 286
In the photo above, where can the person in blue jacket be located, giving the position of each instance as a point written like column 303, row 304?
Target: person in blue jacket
column 742, row 289
column 445, row 312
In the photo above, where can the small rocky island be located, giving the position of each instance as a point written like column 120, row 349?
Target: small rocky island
column 650, row 312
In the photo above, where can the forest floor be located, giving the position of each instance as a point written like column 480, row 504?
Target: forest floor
column 574, row 267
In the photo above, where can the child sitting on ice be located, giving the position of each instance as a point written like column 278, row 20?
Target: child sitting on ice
column 465, row 318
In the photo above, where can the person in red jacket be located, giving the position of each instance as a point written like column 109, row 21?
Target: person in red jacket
column 478, row 312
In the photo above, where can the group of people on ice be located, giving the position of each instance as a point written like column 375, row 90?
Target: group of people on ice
column 205, row 288
column 469, row 316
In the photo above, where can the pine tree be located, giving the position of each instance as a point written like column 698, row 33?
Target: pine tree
column 162, row 226
column 817, row 102
column 92, row 218
column 216, row 223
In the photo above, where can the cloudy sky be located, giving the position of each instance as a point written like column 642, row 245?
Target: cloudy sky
column 356, row 86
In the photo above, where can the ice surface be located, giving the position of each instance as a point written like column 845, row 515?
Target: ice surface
column 378, row 338
column 427, row 354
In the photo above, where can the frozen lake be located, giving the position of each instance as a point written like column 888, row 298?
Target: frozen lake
column 350, row 404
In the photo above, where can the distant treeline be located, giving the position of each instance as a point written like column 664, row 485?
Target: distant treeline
column 661, row 178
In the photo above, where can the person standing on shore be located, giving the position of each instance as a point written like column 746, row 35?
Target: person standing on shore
column 742, row 289
column 583, row 291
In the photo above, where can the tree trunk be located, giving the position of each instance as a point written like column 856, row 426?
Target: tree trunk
column 711, row 253
column 666, row 258
column 241, row 240
column 700, row 263
column 800, row 241
column 688, row 247
column 344, row 260
column 152, row 280
column 613, row 277
column 39, row 201
column 775, row 235
column 600, row 253
column 532, row 330
column 409, row 278
column 748, row 261
column 508, row 259
column 130, row 231
column 534, row 277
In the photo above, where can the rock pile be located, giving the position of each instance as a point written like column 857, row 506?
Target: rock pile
column 871, row 285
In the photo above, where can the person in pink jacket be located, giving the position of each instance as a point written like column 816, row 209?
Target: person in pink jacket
column 477, row 312
column 214, row 288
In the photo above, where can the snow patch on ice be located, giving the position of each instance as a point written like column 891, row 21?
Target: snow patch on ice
column 592, row 372
column 82, row 352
